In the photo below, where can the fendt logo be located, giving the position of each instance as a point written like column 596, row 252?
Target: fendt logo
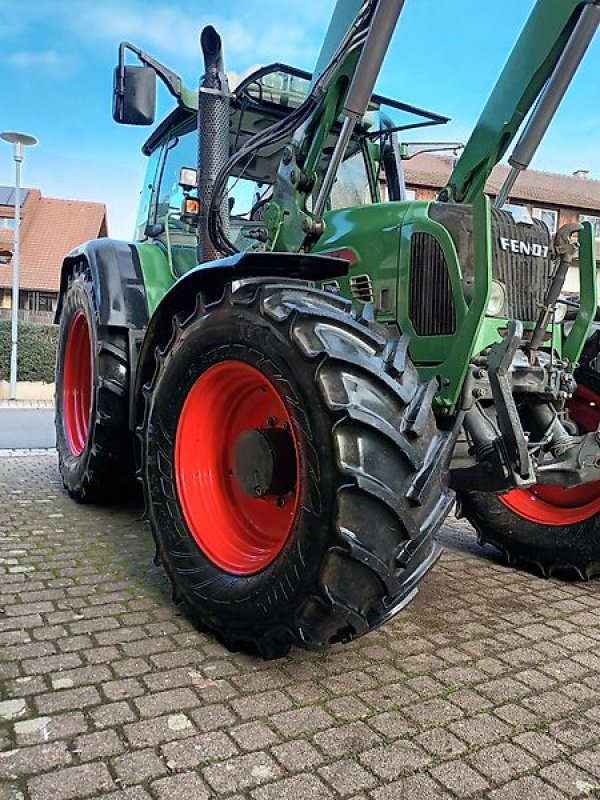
column 518, row 247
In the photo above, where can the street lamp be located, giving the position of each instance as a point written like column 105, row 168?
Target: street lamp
column 19, row 140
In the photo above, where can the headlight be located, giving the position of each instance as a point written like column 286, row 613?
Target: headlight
column 497, row 300
column 560, row 312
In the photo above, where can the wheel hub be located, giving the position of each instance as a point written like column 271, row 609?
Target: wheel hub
column 236, row 467
column 265, row 462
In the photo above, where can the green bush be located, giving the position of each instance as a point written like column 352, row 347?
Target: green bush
column 36, row 351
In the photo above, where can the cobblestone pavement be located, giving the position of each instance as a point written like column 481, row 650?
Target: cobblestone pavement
column 487, row 686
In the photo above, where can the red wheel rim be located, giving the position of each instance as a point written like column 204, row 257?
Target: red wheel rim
column 238, row 533
column 77, row 384
column 552, row 505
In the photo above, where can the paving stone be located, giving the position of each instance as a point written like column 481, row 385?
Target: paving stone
column 515, row 715
column 589, row 760
column 12, row 709
column 121, row 689
column 254, row 736
column 31, row 760
column 259, row 705
column 244, row 772
column 346, row 739
column 502, row 762
column 433, row 712
column 200, row 749
column 71, row 783
column 112, row 714
column 138, row 767
column 575, row 733
column 301, row 721
column 308, row 787
column 392, row 724
column 486, row 686
column 550, row 705
column 392, row 761
column 479, row 730
column 130, row 667
column 297, row 755
column 459, row 779
column 441, row 743
column 50, row 728
column 67, row 699
column 540, row 745
column 158, row 730
column 163, row 702
column 528, row 787
column 101, row 744
column 417, row 787
column 188, row 785
column 346, row 777
column 211, row 717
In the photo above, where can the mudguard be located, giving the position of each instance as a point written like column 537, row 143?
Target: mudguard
column 210, row 279
column 117, row 278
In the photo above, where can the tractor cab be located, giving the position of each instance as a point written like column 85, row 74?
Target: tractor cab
column 370, row 172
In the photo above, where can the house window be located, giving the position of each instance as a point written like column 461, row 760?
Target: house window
column 7, row 223
column 26, row 300
column 45, row 302
column 411, row 194
column 519, row 213
column 595, row 223
column 547, row 215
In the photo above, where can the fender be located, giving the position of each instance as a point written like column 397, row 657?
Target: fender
column 117, row 279
column 210, row 279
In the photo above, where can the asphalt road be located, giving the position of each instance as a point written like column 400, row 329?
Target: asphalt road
column 26, row 428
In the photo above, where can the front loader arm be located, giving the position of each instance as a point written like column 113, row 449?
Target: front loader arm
column 343, row 80
column 546, row 54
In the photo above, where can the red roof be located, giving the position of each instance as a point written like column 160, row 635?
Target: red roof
column 547, row 188
column 50, row 228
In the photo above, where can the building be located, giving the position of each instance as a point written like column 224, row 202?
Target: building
column 49, row 229
column 556, row 199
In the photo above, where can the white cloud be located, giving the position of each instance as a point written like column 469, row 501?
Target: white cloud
column 253, row 30
column 48, row 60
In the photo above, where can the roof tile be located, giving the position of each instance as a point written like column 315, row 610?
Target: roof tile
column 547, row 188
column 51, row 228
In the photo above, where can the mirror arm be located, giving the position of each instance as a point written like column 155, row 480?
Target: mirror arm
column 171, row 80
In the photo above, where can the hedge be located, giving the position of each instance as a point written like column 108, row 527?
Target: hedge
column 36, row 351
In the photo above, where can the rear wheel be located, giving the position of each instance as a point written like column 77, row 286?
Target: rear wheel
column 280, row 440
column 92, row 383
column 557, row 530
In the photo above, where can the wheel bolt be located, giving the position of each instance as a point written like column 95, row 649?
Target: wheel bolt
column 258, row 491
column 271, row 422
column 280, row 502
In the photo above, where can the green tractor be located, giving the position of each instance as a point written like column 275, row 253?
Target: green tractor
column 303, row 368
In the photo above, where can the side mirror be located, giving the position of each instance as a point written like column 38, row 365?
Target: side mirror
column 134, row 95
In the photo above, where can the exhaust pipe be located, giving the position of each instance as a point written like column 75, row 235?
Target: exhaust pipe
column 214, row 99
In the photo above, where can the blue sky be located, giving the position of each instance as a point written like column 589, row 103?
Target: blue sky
column 56, row 60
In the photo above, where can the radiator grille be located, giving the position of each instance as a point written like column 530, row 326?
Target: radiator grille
column 432, row 309
column 525, row 277
column 362, row 288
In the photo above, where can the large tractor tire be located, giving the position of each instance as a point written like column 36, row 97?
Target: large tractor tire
column 280, row 438
column 95, row 446
column 554, row 530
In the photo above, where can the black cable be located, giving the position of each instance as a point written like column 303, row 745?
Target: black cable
column 280, row 129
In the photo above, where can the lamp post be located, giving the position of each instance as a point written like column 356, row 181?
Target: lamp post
column 19, row 140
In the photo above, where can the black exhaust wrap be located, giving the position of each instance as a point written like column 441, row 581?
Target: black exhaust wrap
column 213, row 136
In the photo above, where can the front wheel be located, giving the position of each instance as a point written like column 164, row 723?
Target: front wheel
column 280, row 439
column 556, row 530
